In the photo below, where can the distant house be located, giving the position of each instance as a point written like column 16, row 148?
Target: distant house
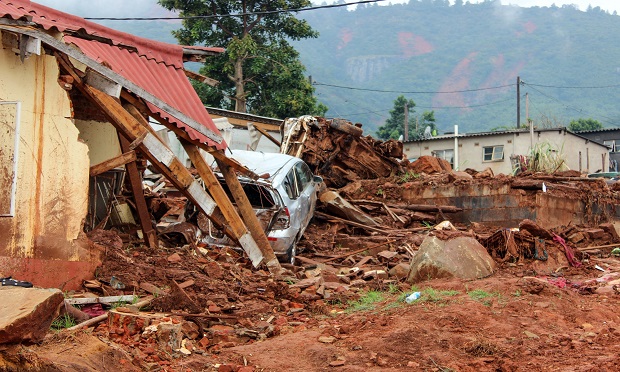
column 502, row 150
column 75, row 100
column 609, row 137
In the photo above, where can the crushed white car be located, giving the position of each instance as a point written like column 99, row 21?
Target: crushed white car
column 284, row 200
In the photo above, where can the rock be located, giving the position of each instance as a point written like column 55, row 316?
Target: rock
column 530, row 334
column 459, row 176
column 174, row 258
column 337, row 363
column 487, row 173
column 213, row 270
column 534, row 229
column 461, row 257
column 400, row 271
column 27, row 313
column 375, row 274
column 327, row 339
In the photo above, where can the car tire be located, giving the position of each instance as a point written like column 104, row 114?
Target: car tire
column 291, row 252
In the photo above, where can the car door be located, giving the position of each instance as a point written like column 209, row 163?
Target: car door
column 304, row 182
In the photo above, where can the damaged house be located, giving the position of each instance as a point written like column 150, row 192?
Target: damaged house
column 75, row 102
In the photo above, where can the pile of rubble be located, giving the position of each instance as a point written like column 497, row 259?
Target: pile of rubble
column 186, row 298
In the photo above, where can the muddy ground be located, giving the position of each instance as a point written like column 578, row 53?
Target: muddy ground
column 530, row 315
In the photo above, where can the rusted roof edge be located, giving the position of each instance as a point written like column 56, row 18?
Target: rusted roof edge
column 117, row 78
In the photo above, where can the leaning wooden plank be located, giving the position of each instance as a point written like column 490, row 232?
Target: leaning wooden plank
column 329, row 217
column 110, row 164
column 249, row 217
column 101, row 300
column 226, row 207
column 266, row 134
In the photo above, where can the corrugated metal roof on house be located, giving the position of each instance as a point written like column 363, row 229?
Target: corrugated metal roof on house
column 154, row 66
column 497, row 133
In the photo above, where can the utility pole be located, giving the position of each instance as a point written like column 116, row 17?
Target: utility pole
column 527, row 107
column 406, row 126
column 518, row 102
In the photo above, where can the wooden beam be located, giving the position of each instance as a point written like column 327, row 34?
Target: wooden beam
column 266, row 134
column 235, row 222
column 115, row 162
column 162, row 158
column 201, row 78
column 183, row 134
column 249, row 216
column 135, row 181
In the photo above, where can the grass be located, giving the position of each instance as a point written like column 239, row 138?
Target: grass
column 483, row 296
column 545, row 157
column 406, row 177
column 433, row 295
column 367, row 302
column 62, row 322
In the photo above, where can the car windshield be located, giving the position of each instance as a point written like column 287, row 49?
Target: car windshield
column 259, row 196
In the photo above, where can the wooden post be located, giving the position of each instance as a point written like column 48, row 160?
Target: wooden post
column 226, row 206
column 135, row 181
column 249, row 216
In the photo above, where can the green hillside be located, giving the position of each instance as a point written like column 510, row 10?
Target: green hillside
column 433, row 47
column 430, row 46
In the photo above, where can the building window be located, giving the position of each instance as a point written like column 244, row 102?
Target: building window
column 611, row 144
column 447, row 155
column 493, row 153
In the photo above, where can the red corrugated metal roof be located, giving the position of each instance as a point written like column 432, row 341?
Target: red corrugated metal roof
column 154, row 66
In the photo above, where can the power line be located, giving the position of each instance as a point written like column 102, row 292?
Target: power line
column 431, row 107
column 413, row 92
column 267, row 12
column 464, row 107
column 608, row 120
column 572, row 87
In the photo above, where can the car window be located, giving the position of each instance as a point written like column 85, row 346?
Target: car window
column 290, row 185
column 304, row 176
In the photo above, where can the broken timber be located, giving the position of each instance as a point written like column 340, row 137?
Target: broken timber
column 135, row 181
column 110, row 164
column 164, row 160
column 227, row 208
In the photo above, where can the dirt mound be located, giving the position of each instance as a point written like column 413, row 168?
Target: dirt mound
column 429, row 165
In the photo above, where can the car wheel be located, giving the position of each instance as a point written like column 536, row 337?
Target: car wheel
column 291, row 253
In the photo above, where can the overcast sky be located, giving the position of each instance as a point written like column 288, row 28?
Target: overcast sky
column 149, row 8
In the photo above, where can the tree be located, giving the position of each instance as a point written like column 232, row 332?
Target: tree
column 584, row 124
column 260, row 71
column 394, row 125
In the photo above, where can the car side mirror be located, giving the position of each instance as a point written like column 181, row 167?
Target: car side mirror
column 317, row 179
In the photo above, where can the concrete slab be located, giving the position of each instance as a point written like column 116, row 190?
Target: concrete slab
column 27, row 313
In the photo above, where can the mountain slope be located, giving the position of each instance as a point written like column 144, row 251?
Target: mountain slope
column 433, row 47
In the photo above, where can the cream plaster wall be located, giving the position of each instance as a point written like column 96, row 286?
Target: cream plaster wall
column 52, row 182
column 101, row 138
column 471, row 149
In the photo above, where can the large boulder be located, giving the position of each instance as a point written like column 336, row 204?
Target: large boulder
column 27, row 313
column 461, row 257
